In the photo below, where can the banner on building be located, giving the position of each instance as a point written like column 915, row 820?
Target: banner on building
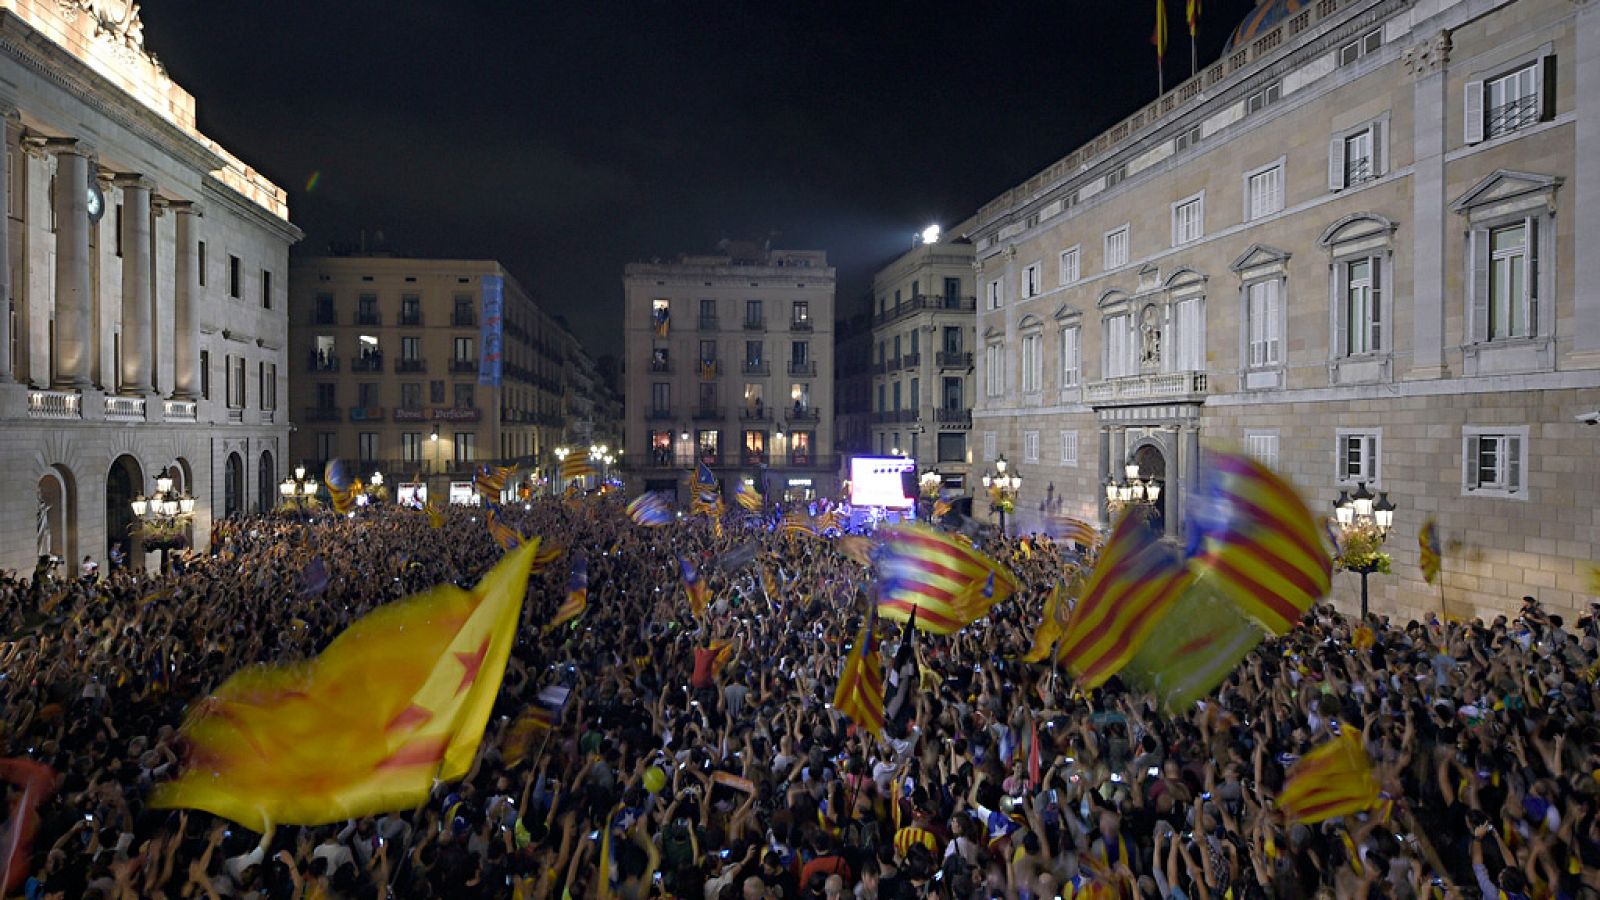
column 490, row 353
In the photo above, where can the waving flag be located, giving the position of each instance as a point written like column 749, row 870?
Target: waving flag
column 695, row 586
column 1050, row 627
column 856, row 548
column 1159, row 36
column 435, row 515
column 1193, row 648
column 650, row 510
column 314, row 578
column 1259, row 541
column 941, row 508
column 398, row 701
column 705, row 476
column 797, row 522
column 577, row 594
column 343, row 500
column 507, row 537
column 576, row 466
column 830, row 520
column 546, row 554
column 722, row 654
column 769, row 584
column 490, row 482
column 859, row 694
column 1428, row 538
column 1334, row 779
column 950, row 584
column 746, row 495
column 1077, row 531
column 1134, row 583
column 1194, row 17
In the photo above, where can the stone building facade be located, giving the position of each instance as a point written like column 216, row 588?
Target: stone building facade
column 145, row 268
column 1361, row 246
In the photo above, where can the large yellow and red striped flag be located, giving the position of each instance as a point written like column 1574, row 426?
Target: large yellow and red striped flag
column 949, row 583
column 721, row 655
column 1334, row 779
column 859, row 694
column 398, row 700
column 1432, row 559
column 1259, row 542
column 576, row 465
column 1192, row 649
column 1135, row 582
column 695, row 586
column 1159, row 36
column 577, row 594
column 797, row 522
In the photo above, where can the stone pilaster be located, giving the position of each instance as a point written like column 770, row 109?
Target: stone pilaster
column 1427, row 62
column 138, row 340
column 1586, row 180
column 74, row 344
column 185, row 300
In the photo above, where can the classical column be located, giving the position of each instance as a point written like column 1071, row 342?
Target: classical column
column 185, row 298
column 1189, row 466
column 1426, row 61
column 1586, row 177
column 1119, row 452
column 137, row 340
column 8, row 116
column 74, row 345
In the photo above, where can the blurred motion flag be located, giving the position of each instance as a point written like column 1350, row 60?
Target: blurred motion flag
column 722, row 654
column 949, row 583
column 435, row 515
column 650, row 510
column 746, row 495
column 545, row 555
column 1135, row 582
column 336, row 474
column 859, row 694
column 1050, row 627
column 1192, row 649
column 797, row 522
column 1428, row 538
column 694, row 586
column 1363, row 638
column 577, row 594
column 1077, row 531
column 576, row 465
column 856, row 548
column 535, row 721
column 830, row 520
column 1334, row 779
column 37, row 782
column 396, row 702
column 313, row 578
column 343, row 500
column 704, row 476
column 490, row 482
column 769, row 583
column 1260, row 543
column 941, row 508
column 1035, row 759
column 504, row 535
column 1194, row 17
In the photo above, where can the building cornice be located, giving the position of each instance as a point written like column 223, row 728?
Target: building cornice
column 218, row 192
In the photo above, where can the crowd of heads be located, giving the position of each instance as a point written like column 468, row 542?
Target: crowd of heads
column 746, row 783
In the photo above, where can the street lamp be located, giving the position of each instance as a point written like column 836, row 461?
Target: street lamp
column 1130, row 490
column 1364, row 523
column 929, row 483
column 298, row 491
column 163, row 517
column 1003, row 489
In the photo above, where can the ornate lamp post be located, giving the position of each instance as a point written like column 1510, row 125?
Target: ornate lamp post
column 298, row 492
column 163, row 518
column 929, row 484
column 1364, row 523
column 1003, row 489
column 1130, row 490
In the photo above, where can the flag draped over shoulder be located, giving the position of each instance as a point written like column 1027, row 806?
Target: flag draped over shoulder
column 694, row 586
column 576, row 465
column 1334, row 779
column 1432, row 560
column 1193, row 648
column 949, row 583
column 650, row 510
column 1259, row 541
column 859, row 694
column 399, row 699
column 577, row 594
column 1134, row 583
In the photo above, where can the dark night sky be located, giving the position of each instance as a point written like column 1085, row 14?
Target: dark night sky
column 567, row 139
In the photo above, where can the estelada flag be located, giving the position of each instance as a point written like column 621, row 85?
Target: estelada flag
column 396, row 702
column 695, row 586
column 1334, row 779
column 1432, row 559
column 859, row 693
column 949, row 583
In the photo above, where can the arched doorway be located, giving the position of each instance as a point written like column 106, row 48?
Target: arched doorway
column 233, row 486
column 56, row 525
column 1153, row 467
column 266, row 483
column 124, row 481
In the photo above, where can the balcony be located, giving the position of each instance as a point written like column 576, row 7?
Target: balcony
column 460, row 366
column 911, row 360
column 800, row 325
column 755, row 414
column 755, row 367
column 800, row 458
column 463, row 319
column 366, row 414
column 753, row 458
column 411, row 318
column 180, row 410
column 371, row 363
column 663, row 414
column 895, row 415
column 322, row 362
column 892, row 365
column 803, row 368
column 709, row 414
column 661, row 365
column 411, row 365
column 368, row 318
column 751, row 324
column 805, row 414
column 324, row 413
column 709, row 369
column 954, row 359
column 924, row 301
column 709, row 323
column 125, row 409
column 55, row 405
column 1139, row 388
column 953, row 418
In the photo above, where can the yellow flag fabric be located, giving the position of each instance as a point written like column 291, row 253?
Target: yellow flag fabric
column 1334, row 779
column 435, row 515
column 400, row 698
column 1050, row 626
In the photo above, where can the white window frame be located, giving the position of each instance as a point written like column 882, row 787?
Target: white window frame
column 1262, row 446
column 1069, row 448
column 1512, row 479
column 996, row 293
column 1371, row 464
column 1263, row 98
column 1479, row 115
column 1032, row 283
column 1268, row 336
column 1340, row 175
column 1117, row 358
column 1377, row 341
column 994, row 371
column 1186, row 343
column 1184, row 229
column 991, row 443
column 1071, row 265
column 1124, row 232
column 1032, row 362
column 1030, row 446
column 1253, row 210
column 1071, row 356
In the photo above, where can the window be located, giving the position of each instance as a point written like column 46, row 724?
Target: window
column 267, row 385
column 753, row 316
column 1263, row 98
column 1264, row 310
column 994, row 371
column 1357, row 156
column 367, row 395
column 462, row 393
column 1071, row 368
column 896, row 347
column 753, row 354
column 1361, row 46
column 1189, row 220
column 436, row 391
column 1069, row 448
column 1262, row 446
column 708, row 396
column 915, row 342
column 952, row 447
column 996, row 294
column 916, row 394
column 367, row 445
column 411, row 395
column 1119, row 346
column 1511, row 101
column 708, row 315
column 1030, row 446
column 411, row 446
column 989, row 446
column 1356, row 455
column 411, row 349
column 1360, row 307
column 205, row 374
column 461, row 315
column 327, row 444
column 1032, row 362
column 800, row 352
column 235, row 278
column 895, row 391
column 200, row 258
column 801, row 313
column 708, row 352
column 327, row 395
column 1493, row 460
column 882, row 406
column 465, row 348
column 1030, row 281
column 952, row 293
column 1264, row 191
column 661, row 397
column 410, row 309
column 1117, row 248
column 234, row 372
column 1510, row 311
column 1186, row 139
column 755, row 447
column 661, row 316
column 1069, row 266
column 708, row 444
column 952, row 339
column 1117, row 176
column 367, row 309
column 1189, row 346
column 266, row 289
column 466, row 447
column 116, row 228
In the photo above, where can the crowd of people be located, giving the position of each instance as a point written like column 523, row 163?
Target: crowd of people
column 742, row 781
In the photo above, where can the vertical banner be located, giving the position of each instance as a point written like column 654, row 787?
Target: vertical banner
column 490, row 353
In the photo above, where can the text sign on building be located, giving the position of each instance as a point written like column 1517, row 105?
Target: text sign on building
column 490, row 352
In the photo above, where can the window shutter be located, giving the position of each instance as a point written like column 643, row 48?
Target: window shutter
column 1336, row 164
column 1531, row 295
column 1340, row 307
column 1545, row 87
column 1478, row 259
column 1512, row 464
column 1473, row 115
column 1377, row 305
column 1380, row 148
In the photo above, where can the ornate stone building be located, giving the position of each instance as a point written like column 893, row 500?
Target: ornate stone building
column 1363, row 246
column 145, row 268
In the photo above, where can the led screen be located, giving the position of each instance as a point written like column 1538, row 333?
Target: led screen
column 876, row 481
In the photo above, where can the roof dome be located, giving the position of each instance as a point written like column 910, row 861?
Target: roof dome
column 1262, row 19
